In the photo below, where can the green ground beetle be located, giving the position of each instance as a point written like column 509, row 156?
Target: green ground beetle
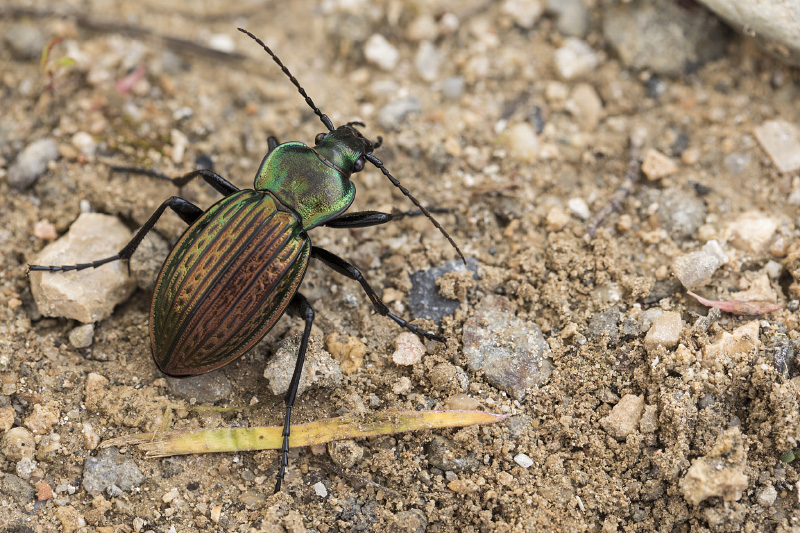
column 238, row 267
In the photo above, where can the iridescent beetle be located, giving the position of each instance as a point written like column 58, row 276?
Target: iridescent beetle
column 238, row 267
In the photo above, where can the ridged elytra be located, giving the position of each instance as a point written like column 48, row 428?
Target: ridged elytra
column 239, row 265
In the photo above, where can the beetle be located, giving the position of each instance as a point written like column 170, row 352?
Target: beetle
column 239, row 265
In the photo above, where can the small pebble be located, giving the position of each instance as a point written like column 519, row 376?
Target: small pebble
column 32, row 163
column 45, row 230
column 572, row 16
column 320, row 368
column 453, row 87
column 85, row 143
column 696, row 269
column 579, row 208
column 512, row 353
column 624, row 417
column 752, row 231
column 26, row 41
column 781, row 141
column 18, row 443
column 462, row 486
column 6, row 418
column 109, row 468
column 345, row 453
column 43, row 418
column 767, row 496
column 524, row 12
column 216, row 513
column 222, row 42
column 402, row 386
column 393, row 114
column 657, row 165
column 523, row 460
column 349, row 351
column 82, row 336
column 380, row 52
column 461, row 402
column 523, row 143
column 320, row 489
column 43, row 491
column 203, row 388
column 665, row 331
column 422, row 28
column 91, row 438
column 556, row 219
column 26, row 467
column 574, row 59
column 585, row 106
column 721, row 472
column 409, row 349
column 427, row 61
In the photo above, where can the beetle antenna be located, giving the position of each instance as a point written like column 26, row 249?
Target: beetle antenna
column 322, row 116
column 377, row 162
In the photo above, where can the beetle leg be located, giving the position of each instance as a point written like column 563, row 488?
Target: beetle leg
column 272, row 143
column 222, row 185
column 364, row 219
column 307, row 313
column 186, row 210
column 346, row 269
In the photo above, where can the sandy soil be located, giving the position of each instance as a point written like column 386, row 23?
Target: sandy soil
column 732, row 408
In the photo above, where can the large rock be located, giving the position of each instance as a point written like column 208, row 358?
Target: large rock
column 88, row 295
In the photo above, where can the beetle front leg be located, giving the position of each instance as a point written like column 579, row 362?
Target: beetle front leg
column 346, row 269
column 223, row 186
column 300, row 303
column 365, row 219
column 186, row 210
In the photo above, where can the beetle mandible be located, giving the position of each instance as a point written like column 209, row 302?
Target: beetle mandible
column 239, row 265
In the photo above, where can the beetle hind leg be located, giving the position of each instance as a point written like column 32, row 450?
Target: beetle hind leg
column 186, row 210
column 301, row 304
column 346, row 269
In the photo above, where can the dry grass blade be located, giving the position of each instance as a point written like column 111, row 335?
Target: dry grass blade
column 181, row 442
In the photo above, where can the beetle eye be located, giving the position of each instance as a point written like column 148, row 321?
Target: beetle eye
column 319, row 137
column 358, row 166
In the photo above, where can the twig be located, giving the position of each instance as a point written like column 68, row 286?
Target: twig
column 622, row 193
column 107, row 26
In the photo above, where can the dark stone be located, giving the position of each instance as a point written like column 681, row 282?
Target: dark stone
column 424, row 298
column 205, row 388
column 110, row 468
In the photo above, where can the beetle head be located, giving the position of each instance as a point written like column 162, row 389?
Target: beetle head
column 345, row 148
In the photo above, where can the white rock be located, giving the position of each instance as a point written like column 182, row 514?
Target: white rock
column 88, row 295
column 523, row 460
column 574, row 59
column 524, row 12
column 752, row 231
column 320, row 489
column 409, row 349
column 381, row 52
column 579, row 208
column 781, row 141
column 585, row 106
column 665, row 331
column 523, row 142
column 657, row 165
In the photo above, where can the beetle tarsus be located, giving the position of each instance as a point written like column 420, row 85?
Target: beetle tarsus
column 300, row 303
column 346, row 269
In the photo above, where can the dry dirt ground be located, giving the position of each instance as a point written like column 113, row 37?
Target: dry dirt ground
column 518, row 206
